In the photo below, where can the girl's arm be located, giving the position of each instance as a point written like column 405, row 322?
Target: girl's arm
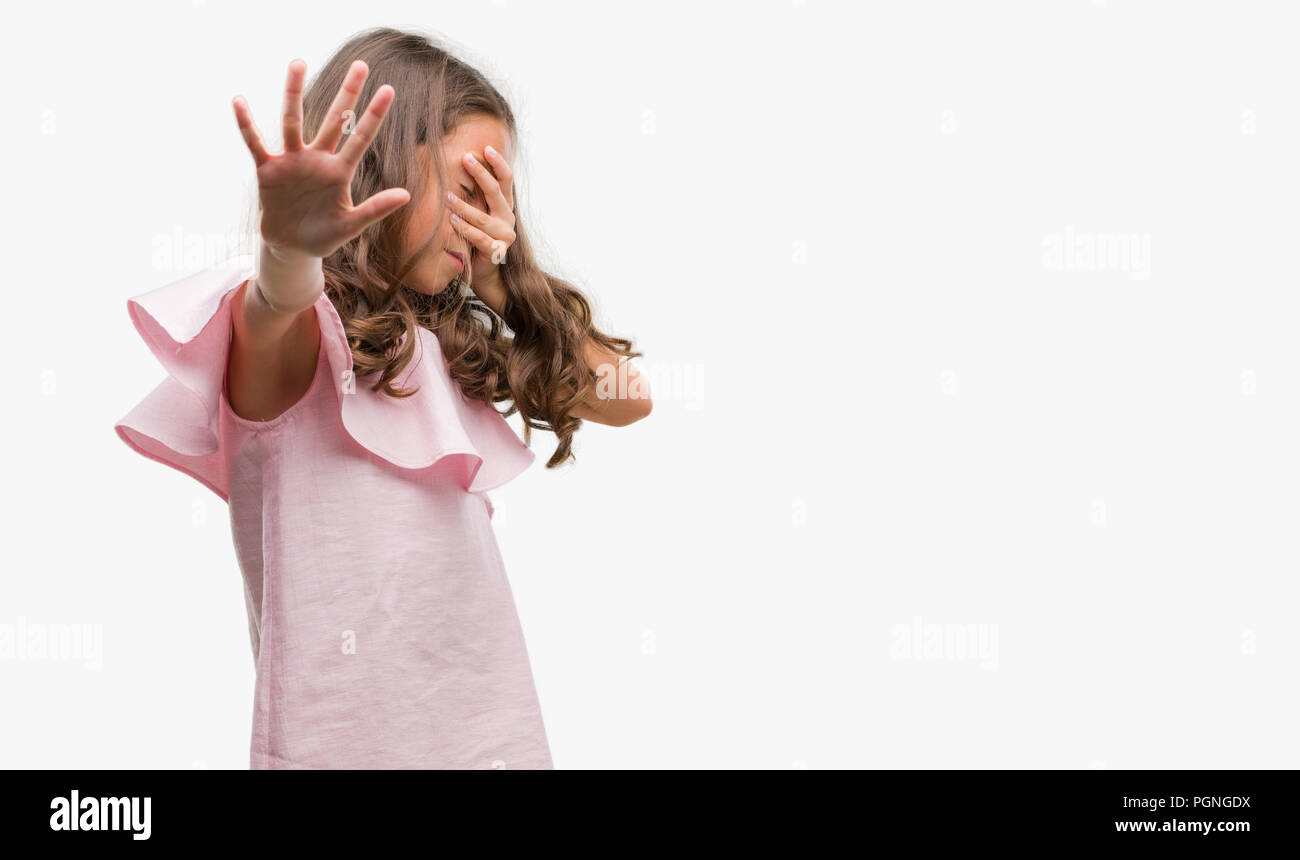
column 622, row 395
column 307, row 214
column 276, row 338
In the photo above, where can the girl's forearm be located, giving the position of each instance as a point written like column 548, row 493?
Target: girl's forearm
column 289, row 281
column 493, row 295
column 276, row 337
column 286, row 284
column 622, row 395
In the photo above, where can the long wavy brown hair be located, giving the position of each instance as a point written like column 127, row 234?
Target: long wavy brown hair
column 539, row 364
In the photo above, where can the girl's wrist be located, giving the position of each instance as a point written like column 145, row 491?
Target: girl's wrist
column 287, row 256
column 493, row 294
column 289, row 281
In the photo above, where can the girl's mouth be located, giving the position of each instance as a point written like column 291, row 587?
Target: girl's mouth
column 460, row 264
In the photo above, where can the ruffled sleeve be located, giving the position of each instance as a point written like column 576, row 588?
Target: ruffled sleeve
column 187, row 326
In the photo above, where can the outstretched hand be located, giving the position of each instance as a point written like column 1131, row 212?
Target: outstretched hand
column 305, row 190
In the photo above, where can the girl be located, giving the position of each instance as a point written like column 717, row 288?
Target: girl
column 337, row 391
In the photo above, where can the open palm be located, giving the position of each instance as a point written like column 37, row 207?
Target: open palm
column 305, row 190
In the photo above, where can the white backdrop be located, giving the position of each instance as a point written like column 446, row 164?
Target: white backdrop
column 970, row 328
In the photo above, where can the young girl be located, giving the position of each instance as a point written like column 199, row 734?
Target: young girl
column 337, row 390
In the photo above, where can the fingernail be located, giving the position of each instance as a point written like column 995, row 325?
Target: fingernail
column 491, row 151
column 452, row 198
column 472, row 159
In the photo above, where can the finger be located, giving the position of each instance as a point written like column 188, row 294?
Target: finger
column 291, row 119
column 377, row 207
column 468, row 211
column 504, row 174
column 492, row 234
column 252, row 139
column 355, row 146
column 489, row 246
column 488, row 182
column 332, row 126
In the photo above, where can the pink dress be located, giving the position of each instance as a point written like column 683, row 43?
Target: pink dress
column 383, row 627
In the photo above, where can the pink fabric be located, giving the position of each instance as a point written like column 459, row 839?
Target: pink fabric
column 383, row 627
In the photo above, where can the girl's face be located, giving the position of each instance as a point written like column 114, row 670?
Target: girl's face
column 438, row 268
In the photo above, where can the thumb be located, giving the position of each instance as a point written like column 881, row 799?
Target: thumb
column 376, row 208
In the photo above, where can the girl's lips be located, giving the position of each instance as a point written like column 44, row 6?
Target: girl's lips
column 460, row 264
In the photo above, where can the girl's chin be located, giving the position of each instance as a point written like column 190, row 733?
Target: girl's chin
column 424, row 290
column 441, row 279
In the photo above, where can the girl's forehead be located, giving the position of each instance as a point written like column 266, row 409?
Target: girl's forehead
column 475, row 134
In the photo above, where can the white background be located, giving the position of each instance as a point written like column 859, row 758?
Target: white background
column 885, row 412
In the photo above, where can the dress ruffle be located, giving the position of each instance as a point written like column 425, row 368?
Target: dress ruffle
column 187, row 326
